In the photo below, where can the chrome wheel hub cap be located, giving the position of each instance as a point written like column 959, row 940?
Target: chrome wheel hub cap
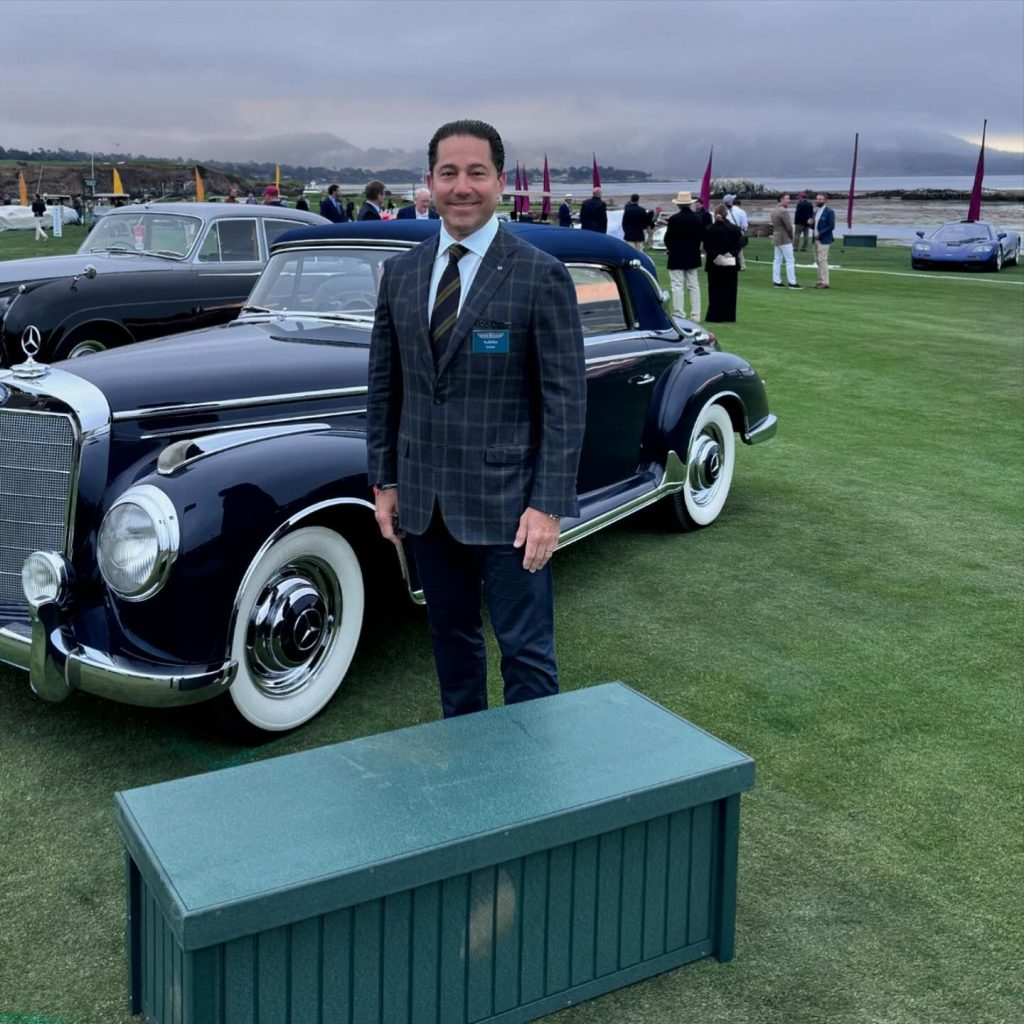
column 705, row 468
column 291, row 627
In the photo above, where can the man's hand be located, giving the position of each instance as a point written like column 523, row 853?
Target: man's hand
column 386, row 512
column 539, row 533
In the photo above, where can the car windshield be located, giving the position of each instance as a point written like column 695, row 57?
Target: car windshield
column 160, row 234
column 962, row 233
column 328, row 283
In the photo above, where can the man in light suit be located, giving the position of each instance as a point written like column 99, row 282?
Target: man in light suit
column 476, row 412
column 420, row 209
column 824, row 232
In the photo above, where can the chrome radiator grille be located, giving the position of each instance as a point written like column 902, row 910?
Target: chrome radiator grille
column 37, row 461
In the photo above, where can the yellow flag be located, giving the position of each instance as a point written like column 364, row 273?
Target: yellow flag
column 200, row 188
column 277, row 176
column 118, row 188
column 22, row 189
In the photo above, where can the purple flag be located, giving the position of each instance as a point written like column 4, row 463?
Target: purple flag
column 853, row 181
column 596, row 173
column 525, row 208
column 545, row 206
column 705, row 185
column 974, row 210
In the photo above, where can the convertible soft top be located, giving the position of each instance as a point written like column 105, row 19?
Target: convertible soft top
column 569, row 246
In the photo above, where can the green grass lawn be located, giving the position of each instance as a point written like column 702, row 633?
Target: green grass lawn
column 853, row 621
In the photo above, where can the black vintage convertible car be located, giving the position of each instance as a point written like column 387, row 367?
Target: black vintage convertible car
column 190, row 518
column 142, row 272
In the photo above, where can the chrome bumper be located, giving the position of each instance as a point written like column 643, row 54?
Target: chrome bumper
column 762, row 430
column 57, row 665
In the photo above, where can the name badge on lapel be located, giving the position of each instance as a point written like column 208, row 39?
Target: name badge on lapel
column 490, row 338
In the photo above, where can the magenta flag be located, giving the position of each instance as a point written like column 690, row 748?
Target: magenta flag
column 705, row 185
column 517, row 200
column 974, row 210
column 545, row 206
column 525, row 207
column 853, row 182
column 596, row 175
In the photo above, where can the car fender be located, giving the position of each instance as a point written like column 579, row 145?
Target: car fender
column 687, row 387
column 229, row 504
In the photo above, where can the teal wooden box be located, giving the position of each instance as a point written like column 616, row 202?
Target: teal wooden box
column 860, row 241
column 495, row 867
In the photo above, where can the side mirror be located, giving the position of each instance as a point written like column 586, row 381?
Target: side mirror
column 1002, row 234
column 90, row 271
column 920, row 234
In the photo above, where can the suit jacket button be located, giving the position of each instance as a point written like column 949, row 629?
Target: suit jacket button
column 438, row 400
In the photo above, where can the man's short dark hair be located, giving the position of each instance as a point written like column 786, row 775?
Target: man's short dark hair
column 333, row 190
column 374, row 190
column 635, row 197
column 475, row 129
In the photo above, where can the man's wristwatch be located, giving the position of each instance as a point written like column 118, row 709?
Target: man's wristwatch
column 551, row 515
column 379, row 488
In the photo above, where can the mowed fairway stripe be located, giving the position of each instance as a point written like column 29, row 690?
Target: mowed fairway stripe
column 918, row 276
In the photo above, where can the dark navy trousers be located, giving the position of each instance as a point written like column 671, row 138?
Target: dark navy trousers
column 454, row 577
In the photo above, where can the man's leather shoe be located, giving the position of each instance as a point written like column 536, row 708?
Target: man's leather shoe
column 794, row 286
column 778, row 284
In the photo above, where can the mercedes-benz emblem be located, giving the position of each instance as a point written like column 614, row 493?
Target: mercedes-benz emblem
column 307, row 629
column 31, row 341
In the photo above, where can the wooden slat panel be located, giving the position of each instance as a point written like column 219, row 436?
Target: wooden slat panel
column 397, row 963
column 367, row 934
column 584, row 910
column 272, row 963
column 632, row 896
column 480, row 964
column 609, row 891
column 655, row 882
column 509, row 939
column 699, row 919
column 559, row 919
column 305, row 1000
column 452, row 974
column 677, row 881
column 426, row 952
column 337, row 954
column 239, row 981
column 534, row 927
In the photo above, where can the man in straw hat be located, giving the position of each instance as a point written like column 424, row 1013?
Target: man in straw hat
column 683, row 236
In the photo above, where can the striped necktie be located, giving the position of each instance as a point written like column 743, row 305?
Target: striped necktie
column 446, row 303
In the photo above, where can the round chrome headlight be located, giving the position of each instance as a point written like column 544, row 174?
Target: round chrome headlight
column 138, row 542
column 44, row 578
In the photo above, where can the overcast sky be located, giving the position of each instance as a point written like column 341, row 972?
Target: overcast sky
column 157, row 77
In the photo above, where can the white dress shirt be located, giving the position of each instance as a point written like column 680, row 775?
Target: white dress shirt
column 477, row 243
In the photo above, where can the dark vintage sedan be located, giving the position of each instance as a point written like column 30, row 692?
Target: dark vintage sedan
column 966, row 244
column 191, row 518
column 142, row 272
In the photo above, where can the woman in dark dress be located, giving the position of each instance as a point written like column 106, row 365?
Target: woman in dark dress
column 722, row 238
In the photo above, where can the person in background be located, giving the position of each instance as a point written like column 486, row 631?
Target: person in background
column 824, row 227
column 371, row 208
column 803, row 222
column 251, row 200
column 302, row 204
column 565, row 213
column 683, row 236
column 38, row 209
column 782, row 239
column 232, row 195
column 722, row 246
column 330, row 206
column 738, row 216
column 420, row 209
column 635, row 221
column 350, row 209
column 594, row 213
column 705, row 218
column 272, row 196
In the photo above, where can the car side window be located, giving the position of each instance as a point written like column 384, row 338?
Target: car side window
column 231, row 241
column 273, row 229
column 600, row 302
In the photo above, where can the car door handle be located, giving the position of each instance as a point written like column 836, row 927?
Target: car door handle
column 642, row 378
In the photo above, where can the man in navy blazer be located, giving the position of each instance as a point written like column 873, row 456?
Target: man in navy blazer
column 420, row 209
column 331, row 207
column 476, row 412
column 824, row 229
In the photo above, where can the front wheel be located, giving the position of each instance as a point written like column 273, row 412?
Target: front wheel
column 710, row 460
column 299, row 616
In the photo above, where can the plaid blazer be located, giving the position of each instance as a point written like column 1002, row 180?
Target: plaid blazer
column 485, row 435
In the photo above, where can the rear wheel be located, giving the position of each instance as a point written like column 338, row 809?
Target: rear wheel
column 298, row 622
column 997, row 262
column 1014, row 258
column 710, row 460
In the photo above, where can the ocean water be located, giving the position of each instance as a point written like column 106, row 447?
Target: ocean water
column 864, row 184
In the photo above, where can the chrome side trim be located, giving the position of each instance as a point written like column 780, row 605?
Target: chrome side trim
column 236, row 403
column 184, row 453
column 762, row 430
column 623, row 357
column 305, row 417
column 672, row 481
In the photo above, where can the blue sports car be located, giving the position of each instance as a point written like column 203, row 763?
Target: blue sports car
column 967, row 244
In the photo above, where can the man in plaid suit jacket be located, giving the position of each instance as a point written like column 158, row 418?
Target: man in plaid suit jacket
column 476, row 418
